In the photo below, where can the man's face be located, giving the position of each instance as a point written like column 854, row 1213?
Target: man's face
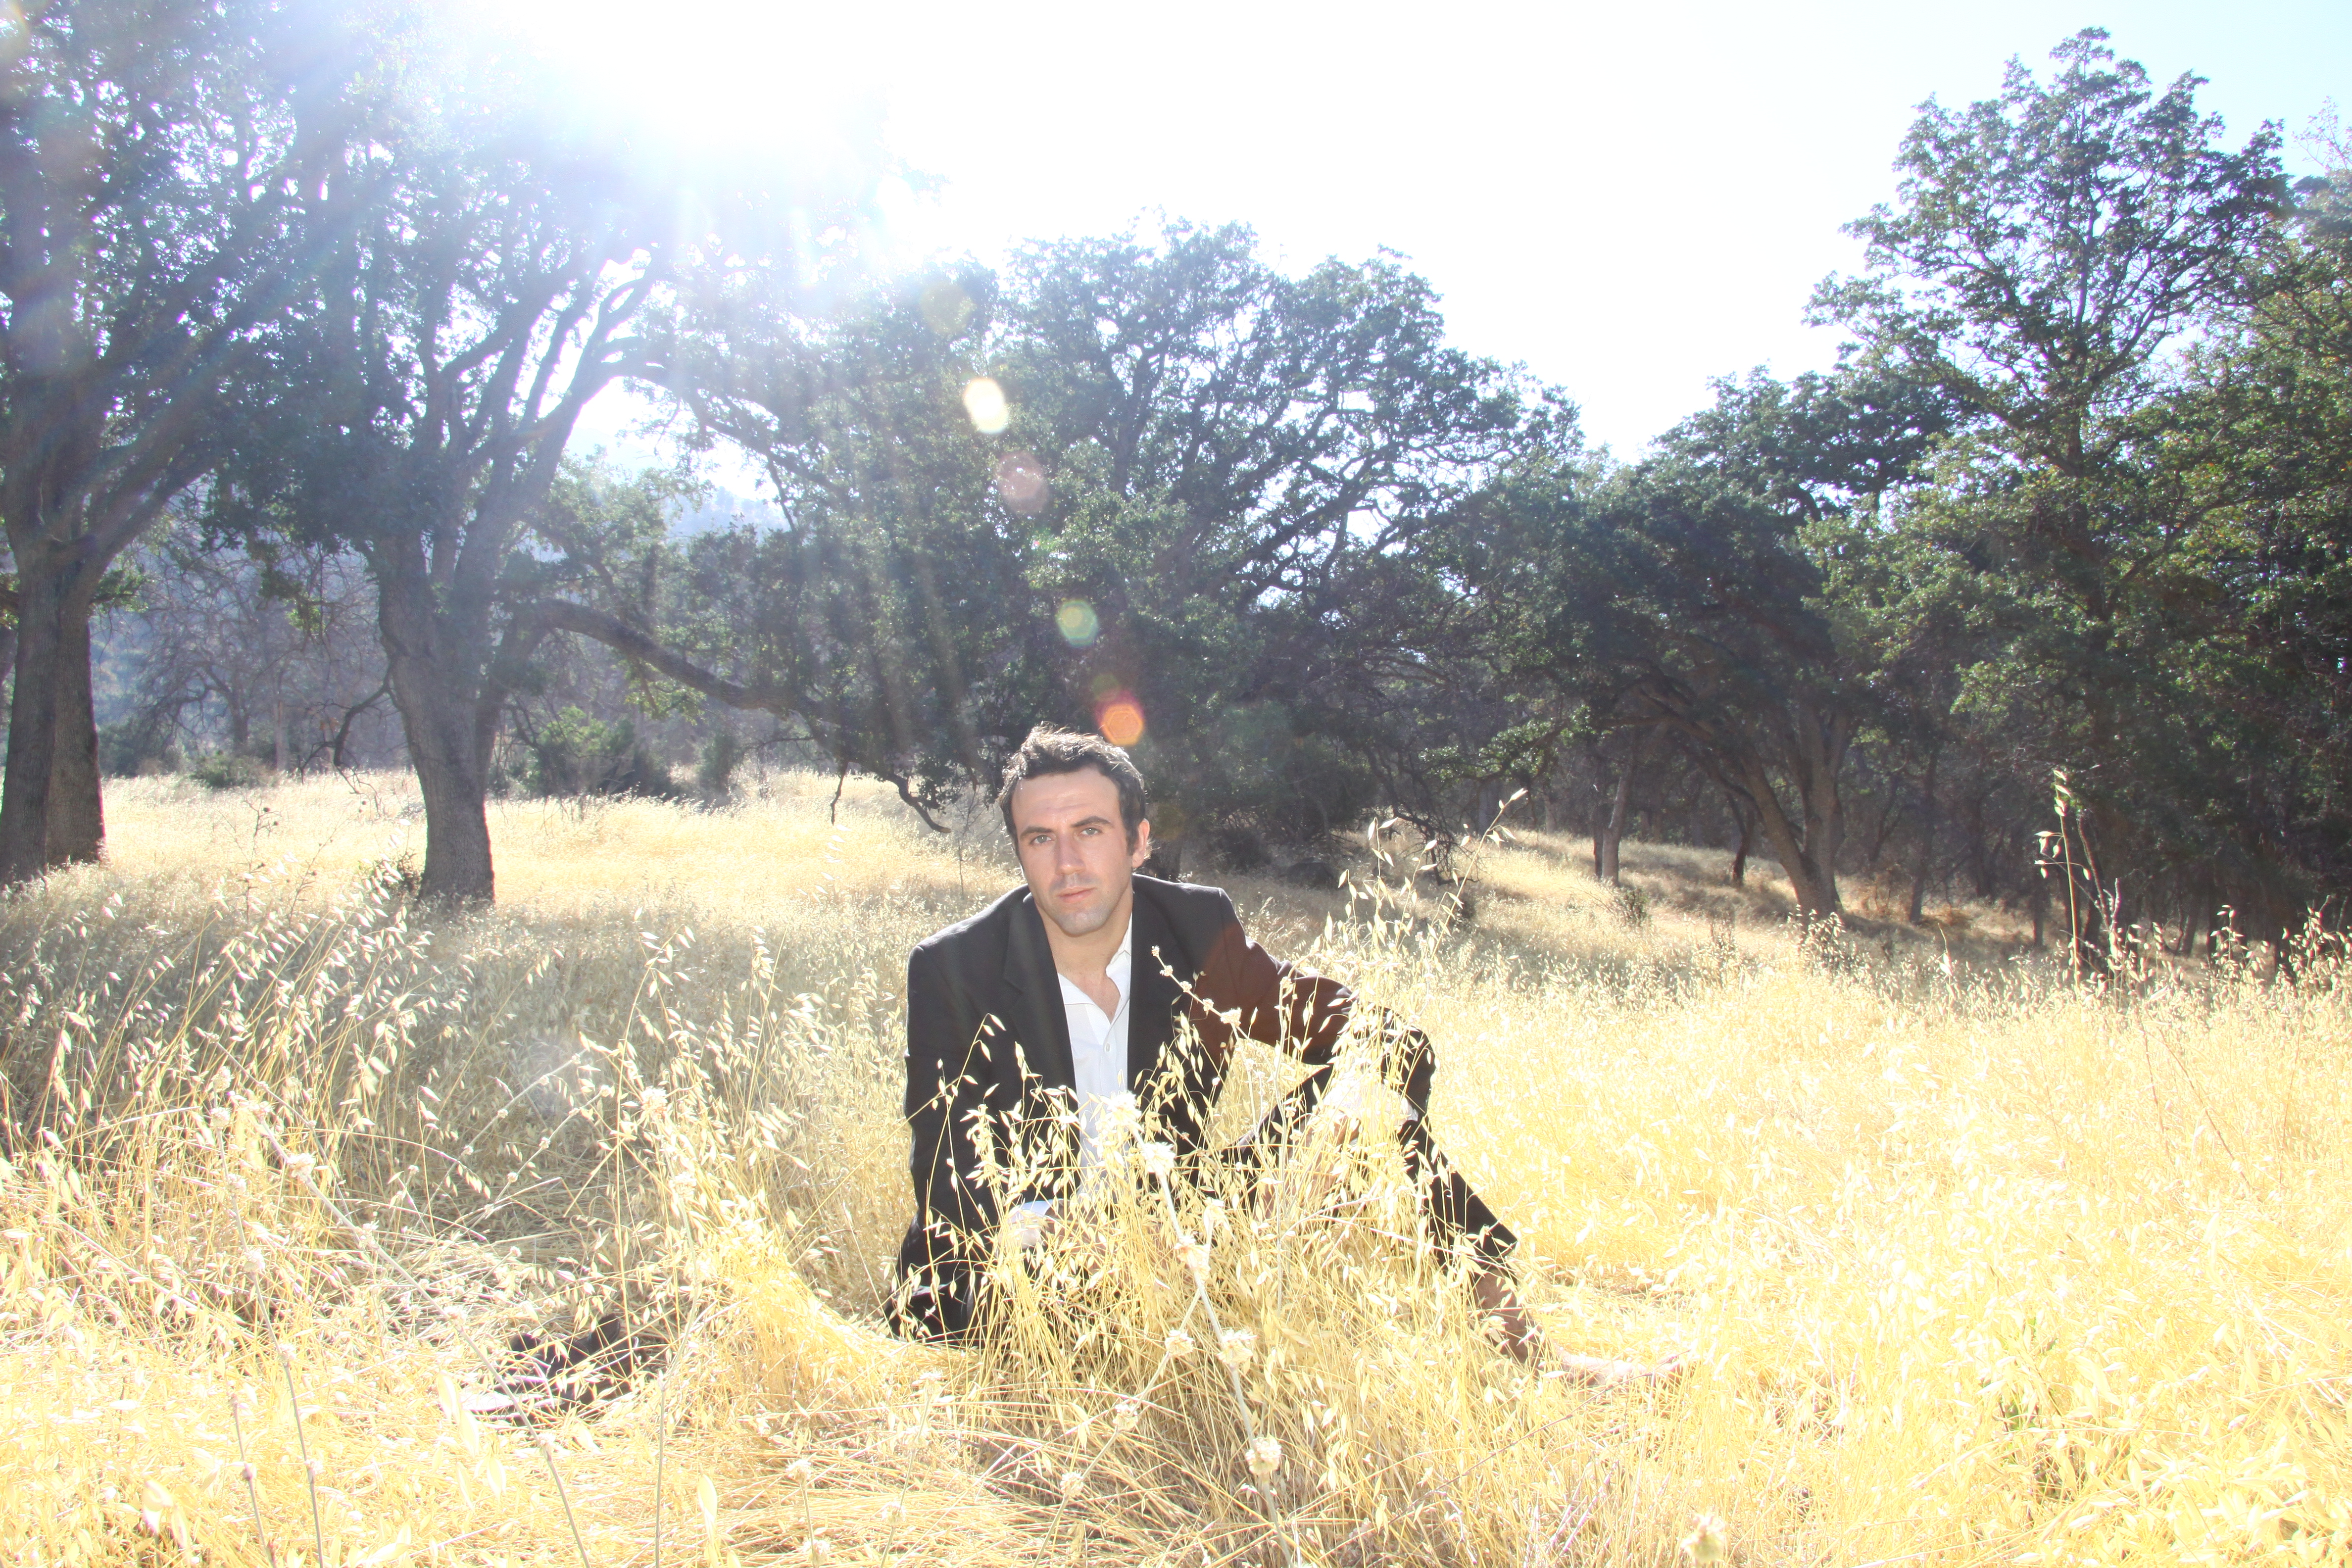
column 1073, row 849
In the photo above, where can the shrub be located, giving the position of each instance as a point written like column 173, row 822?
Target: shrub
column 129, row 747
column 721, row 755
column 228, row 770
column 575, row 754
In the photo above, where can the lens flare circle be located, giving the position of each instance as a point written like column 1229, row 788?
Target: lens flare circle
column 947, row 308
column 1021, row 481
column 1077, row 623
column 983, row 400
column 1119, row 716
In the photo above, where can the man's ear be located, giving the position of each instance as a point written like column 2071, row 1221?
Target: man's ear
column 1139, row 848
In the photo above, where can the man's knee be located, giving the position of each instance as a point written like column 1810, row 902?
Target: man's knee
column 936, row 1304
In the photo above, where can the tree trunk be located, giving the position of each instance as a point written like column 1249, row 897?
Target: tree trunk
column 1806, row 857
column 1613, row 835
column 1926, row 862
column 1604, row 853
column 1747, row 825
column 32, row 724
column 53, row 587
column 76, row 816
column 435, row 671
column 1825, row 833
column 1488, row 811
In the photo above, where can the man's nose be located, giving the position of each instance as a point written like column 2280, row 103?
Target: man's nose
column 1065, row 853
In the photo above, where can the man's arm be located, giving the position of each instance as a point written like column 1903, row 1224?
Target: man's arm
column 933, row 1260
column 1273, row 1001
column 1280, row 1005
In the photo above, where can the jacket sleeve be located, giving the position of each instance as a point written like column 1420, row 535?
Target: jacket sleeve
column 1243, row 989
column 951, row 1206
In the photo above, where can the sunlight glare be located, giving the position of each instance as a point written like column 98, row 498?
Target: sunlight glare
column 985, row 401
column 725, row 80
column 713, row 71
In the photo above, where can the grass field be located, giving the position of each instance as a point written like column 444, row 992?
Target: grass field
column 1972, row 1264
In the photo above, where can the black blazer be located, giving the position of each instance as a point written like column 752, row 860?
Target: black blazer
column 990, row 1089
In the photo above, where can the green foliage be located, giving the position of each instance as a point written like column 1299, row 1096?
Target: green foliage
column 2077, row 496
column 1243, row 466
column 573, row 754
column 2053, row 254
column 134, row 746
column 151, row 152
column 722, row 753
column 229, row 770
column 1199, row 507
column 1695, row 596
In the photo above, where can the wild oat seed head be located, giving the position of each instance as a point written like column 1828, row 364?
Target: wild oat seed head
column 1707, row 1543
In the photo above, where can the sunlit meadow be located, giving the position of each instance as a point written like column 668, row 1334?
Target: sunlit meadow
column 1970, row 1263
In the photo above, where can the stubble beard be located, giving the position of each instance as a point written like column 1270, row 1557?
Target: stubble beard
column 1080, row 922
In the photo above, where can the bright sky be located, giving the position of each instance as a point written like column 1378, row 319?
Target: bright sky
column 1629, row 199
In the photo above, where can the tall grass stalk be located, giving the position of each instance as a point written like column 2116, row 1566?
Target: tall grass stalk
column 1976, row 1260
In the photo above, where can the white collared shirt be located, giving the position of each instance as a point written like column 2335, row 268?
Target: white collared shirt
column 1098, row 1049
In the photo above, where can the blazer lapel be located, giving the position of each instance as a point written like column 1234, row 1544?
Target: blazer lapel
column 1039, row 1022
column 1152, row 1004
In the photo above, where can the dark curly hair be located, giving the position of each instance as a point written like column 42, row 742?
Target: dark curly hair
column 1049, row 749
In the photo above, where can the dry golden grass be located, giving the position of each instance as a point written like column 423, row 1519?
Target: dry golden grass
column 1974, row 1264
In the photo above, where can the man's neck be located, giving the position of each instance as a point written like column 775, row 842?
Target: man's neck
column 1085, row 960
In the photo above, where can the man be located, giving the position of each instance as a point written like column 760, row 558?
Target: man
column 1029, row 1024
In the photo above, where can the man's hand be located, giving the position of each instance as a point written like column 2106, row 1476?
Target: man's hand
column 1514, row 1328
column 1033, row 1222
